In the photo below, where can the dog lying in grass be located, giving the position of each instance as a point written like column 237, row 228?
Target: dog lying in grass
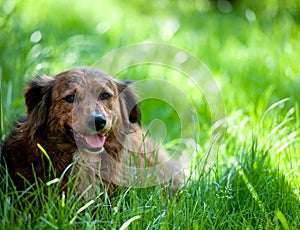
column 85, row 118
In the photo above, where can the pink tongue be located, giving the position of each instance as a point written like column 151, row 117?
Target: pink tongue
column 95, row 141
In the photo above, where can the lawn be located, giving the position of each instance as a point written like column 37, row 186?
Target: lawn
column 250, row 53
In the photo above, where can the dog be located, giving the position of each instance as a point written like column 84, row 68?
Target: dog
column 89, row 120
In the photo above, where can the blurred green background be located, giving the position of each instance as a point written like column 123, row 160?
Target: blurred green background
column 250, row 47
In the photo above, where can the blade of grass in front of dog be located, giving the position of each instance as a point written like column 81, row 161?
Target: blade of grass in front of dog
column 54, row 181
column 85, row 206
column 47, row 156
column 44, row 151
column 81, row 209
column 63, row 199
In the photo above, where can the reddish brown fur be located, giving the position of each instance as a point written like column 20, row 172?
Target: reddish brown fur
column 51, row 120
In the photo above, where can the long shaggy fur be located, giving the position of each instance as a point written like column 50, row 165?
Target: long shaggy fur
column 58, row 109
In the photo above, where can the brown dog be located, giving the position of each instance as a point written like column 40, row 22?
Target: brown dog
column 86, row 118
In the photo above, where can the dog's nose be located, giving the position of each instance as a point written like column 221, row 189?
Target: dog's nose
column 96, row 122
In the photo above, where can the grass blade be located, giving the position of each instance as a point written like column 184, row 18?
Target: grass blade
column 128, row 222
column 282, row 219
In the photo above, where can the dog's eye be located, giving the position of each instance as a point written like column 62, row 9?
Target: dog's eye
column 105, row 96
column 70, row 98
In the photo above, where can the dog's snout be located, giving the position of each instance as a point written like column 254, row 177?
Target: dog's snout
column 96, row 122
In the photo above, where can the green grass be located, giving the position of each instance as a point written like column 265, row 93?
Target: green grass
column 254, row 183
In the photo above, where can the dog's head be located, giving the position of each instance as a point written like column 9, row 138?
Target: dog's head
column 83, row 106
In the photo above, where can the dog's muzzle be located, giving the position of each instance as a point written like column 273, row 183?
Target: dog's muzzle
column 96, row 122
column 95, row 140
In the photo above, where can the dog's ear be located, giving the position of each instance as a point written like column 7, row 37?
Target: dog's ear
column 129, row 98
column 37, row 99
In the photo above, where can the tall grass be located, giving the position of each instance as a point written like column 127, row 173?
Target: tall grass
column 254, row 184
column 248, row 192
